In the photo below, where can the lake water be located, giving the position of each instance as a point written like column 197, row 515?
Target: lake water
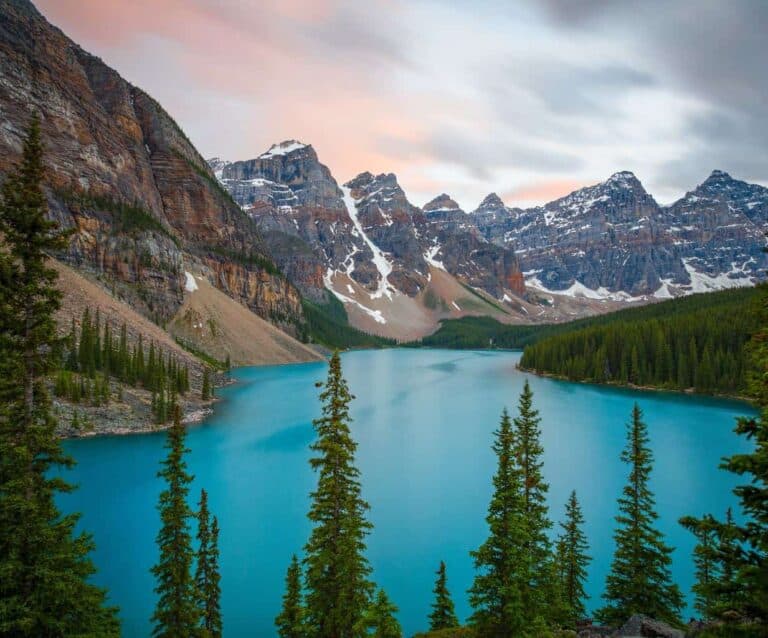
column 424, row 421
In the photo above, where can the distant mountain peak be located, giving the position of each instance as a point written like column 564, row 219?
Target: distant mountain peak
column 491, row 202
column 718, row 174
column 441, row 202
column 283, row 148
column 624, row 178
column 366, row 178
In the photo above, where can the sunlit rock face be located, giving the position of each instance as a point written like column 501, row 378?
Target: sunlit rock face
column 122, row 174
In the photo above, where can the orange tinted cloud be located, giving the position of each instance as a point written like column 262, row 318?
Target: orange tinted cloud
column 543, row 192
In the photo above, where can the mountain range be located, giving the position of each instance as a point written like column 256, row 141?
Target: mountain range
column 601, row 246
column 278, row 234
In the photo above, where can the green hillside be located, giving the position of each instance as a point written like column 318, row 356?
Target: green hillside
column 692, row 343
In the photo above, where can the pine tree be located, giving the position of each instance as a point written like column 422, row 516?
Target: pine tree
column 44, row 564
column 639, row 581
column 742, row 590
column 496, row 595
column 338, row 589
column 443, row 614
column 290, row 621
column 176, row 614
column 207, row 571
column 572, row 561
column 379, row 620
column 538, row 595
column 706, row 563
column 205, row 392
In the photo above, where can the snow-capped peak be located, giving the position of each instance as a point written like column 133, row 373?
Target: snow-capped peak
column 717, row 174
column 623, row 178
column 283, row 148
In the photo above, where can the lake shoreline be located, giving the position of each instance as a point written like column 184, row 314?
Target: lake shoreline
column 631, row 386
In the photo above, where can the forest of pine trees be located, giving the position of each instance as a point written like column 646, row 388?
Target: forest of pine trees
column 95, row 354
column 699, row 346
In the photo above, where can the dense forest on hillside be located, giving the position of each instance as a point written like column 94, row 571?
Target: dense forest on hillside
column 473, row 333
column 695, row 342
column 327, row 324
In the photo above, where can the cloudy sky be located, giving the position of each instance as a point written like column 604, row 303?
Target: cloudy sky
column 530, row 99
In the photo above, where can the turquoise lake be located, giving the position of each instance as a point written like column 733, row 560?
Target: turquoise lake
column 423, row 420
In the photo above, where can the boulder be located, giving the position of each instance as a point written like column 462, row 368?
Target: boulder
column 639, row 626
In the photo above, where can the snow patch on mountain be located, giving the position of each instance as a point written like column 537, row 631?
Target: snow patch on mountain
column 578, row 289
column 190, row 285
column 702, row 282
column 283, row 148
column 328, row 281
column 430, row 255
column 383, row 265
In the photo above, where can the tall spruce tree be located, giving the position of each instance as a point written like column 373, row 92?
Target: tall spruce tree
column 205, row 392
column 539, row 595
column 496, row 595
column 207, row 571
column 44, row 563
column 290, row 620
column 176, row 613
column 443, row 614
column 706, row 562
column 639, row 581
column 572, row 559
column 379, row 620
column 337, row 572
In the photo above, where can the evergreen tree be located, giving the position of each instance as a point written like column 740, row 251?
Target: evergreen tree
column 537, row 593
column 496, row 595
column 338, row 589
column 44, row 564
column 751, row 560
column 207, row 571
column 176, row 614
column 706, row 562
column 205, row 392
column 379, row 620
column 741, row 594
column 572, row 561
column 443, row 614
column 639, row 581
column 290, row 621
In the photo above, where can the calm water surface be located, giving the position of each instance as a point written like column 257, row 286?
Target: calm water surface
column 424, row 421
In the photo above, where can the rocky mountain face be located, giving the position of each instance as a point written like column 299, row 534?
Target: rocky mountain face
column 364, row 234
column 144, row 204
column 719, row 229
column 613, row 241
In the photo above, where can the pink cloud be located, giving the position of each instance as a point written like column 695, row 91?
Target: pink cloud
column 544, row 191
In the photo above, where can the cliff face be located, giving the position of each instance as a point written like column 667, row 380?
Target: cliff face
column 144, row 204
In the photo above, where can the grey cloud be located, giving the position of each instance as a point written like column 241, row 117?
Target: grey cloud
column 727, row 141
column 366, row 37
column 709, row 49
column 569, row 89
column 481, row 156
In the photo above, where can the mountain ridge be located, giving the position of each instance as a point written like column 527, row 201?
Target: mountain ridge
column 605, row 243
